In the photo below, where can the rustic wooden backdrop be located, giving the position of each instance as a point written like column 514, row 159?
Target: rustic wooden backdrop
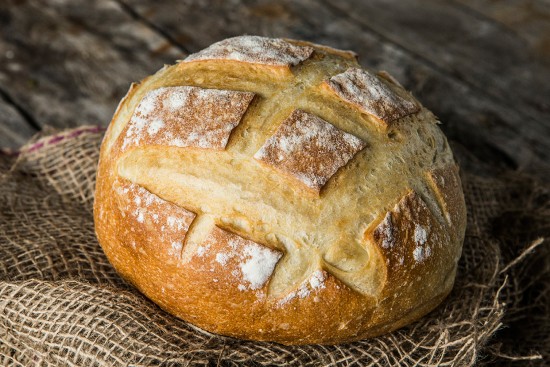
column 483, row 66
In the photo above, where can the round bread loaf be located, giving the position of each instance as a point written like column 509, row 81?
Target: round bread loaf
column 273, row 189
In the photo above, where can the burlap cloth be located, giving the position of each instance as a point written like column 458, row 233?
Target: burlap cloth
column 61, row 302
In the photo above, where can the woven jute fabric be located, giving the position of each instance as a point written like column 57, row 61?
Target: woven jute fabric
column 63, row 304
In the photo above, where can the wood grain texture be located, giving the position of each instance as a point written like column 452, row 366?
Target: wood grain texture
column 481, row 66
column 473, row 49
column 479, row 81
column 14, row 130
column 454, row 76
column 529, row 20
column 68, row 63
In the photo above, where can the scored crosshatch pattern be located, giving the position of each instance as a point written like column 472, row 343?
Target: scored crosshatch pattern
column 366, row 91
column 309, row 148
column 71, row 292
column 170, row 221
column 186, row 116
column 256, row 50
column 268, row 212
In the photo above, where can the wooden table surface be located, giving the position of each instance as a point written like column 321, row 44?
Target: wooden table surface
column 482, row 66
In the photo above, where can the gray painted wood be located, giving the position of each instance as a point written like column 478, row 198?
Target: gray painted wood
column 14, row 130
column 529, row 20
column 476, row 113
column 473, row 49
column 69, row 63
column 482, row 72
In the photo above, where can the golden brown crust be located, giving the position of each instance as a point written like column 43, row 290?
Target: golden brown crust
column 186, row 116
column 204, row 204
column 275, row 56
column 346, row 54
column 371, row 95
column 309, row 148
column 446, row 184
column 254, row 50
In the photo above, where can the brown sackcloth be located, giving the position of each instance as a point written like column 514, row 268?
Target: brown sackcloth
column 62, row 304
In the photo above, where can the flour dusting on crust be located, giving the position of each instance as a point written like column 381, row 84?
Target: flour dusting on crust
column 259, row 262
column 169, row 221
column 409, row 233
column 371, row 95
column 256, row 50
column 309, row 148
column 421, row 253
column 385, row 232
column 420, row 234
column 186, row 116
column 248, row 262
column 446, row 184
column 315, row 283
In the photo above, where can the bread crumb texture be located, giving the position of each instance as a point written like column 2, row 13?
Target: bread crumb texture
column 273, row 189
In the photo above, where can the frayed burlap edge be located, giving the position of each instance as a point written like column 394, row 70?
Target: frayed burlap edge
column 62, row 304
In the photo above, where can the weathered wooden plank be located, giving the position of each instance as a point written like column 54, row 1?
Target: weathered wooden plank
column 471, row 48
column 475, row 50
column 528, row 19
column 14, row 129
column 495, row 129
column 68, row 63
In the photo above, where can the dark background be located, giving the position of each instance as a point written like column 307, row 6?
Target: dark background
column 482, row 66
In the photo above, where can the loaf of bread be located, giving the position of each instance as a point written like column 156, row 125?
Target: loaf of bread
column 273, row 189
